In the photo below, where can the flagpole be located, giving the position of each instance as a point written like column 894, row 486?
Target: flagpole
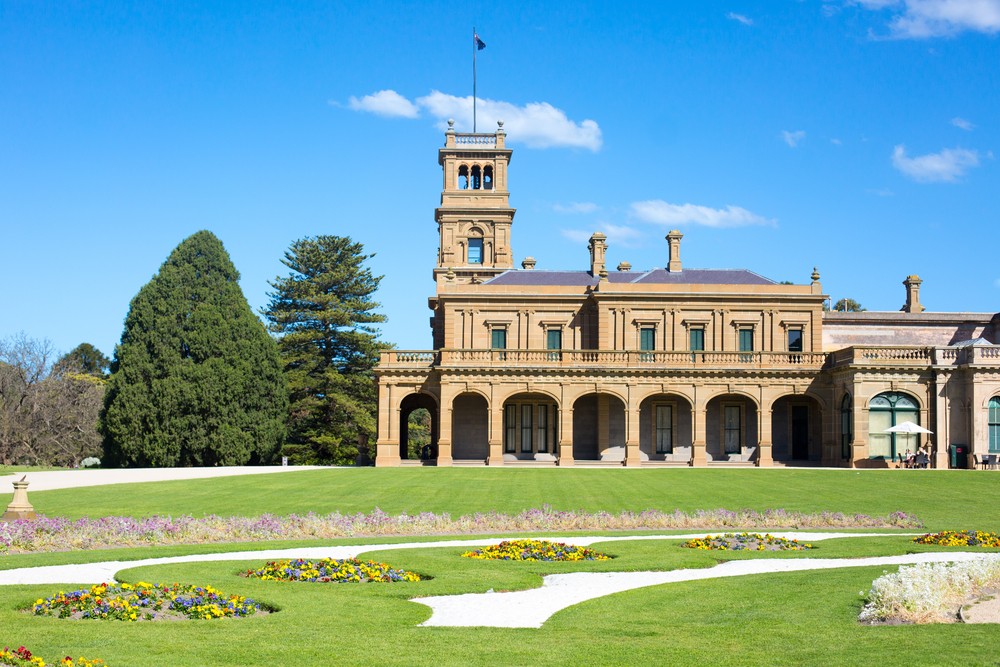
column 475, row 47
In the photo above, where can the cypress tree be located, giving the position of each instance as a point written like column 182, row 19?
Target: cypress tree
column 324, row 312
column 196, row 379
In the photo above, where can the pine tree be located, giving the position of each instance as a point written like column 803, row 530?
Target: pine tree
column 323, row 312
column 196, row 379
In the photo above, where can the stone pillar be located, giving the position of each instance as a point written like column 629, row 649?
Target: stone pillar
column 603, row 423
column 632, row 454
column 496, row 436
column 566, row 437
column 764, row 459
column 598, row 249
column 387, row 446
column 942, row 420
column 444, row 457
column 699, row 455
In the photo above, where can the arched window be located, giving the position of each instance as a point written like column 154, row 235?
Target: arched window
column 477, row 178
column 463, row 178
column 994, row 425
column 487, row 178
column 887, row 410
column 846, row 427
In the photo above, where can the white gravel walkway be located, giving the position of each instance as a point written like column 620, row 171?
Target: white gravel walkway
column 517, row 609
column 69, row 479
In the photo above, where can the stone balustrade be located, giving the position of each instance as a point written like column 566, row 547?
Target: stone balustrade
column 478, row 140
column 639, row 359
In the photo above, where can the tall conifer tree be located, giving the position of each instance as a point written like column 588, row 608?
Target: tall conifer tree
column 196, row 379
column 324, row 313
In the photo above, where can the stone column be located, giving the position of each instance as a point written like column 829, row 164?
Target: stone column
column 603, row 423
column 632, row 455
column 566, row 437
column 444, row 457
column 496, row 436
column 942, row 420
column 764, row 459
column 699, row 455
column 387, row 446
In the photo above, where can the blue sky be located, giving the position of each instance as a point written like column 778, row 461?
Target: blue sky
column 858, row 137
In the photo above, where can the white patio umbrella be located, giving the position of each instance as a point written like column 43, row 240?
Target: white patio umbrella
column 907, row 427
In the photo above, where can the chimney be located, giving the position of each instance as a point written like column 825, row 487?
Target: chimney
column 624, row 266
column 528, row 263
column 598, row 248
column 674, row 238
column 912, row 284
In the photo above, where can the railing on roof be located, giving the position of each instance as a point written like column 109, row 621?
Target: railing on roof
column 476, row 140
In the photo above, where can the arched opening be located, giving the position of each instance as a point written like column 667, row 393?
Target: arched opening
column 475, row 250
column 885, row 411
column 796, row 430
column 530, row 427
column 470, row 428
column 477, row 178
column 418, row 427
column 487, row 178
column 463, row 178
column 665, row 428
column 731, row 429
column 598, row 426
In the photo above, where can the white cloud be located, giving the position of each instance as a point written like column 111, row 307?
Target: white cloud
column 836, row 142
column 922, row 19
column 997, row 282
column 947, row 165
column 962, row 124
column 739, row 17
column 537, row 124
column 575, row 207
column 662, row 213
column 880, row 192
column 386, row 103
column 793, row 138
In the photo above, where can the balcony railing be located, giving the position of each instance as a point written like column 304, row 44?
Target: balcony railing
column 462, row 358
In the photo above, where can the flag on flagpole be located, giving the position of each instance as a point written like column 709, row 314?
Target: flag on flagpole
column 480, row 44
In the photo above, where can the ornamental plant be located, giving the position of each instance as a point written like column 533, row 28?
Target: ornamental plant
column 22, row 657
column 960, row 538
column 331, row 570
column 535, row 550
column 145, row 602
column 929, row 592
column 745, row 542
column 60, row 534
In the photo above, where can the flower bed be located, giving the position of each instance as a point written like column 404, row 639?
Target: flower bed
column 928, row 592
column 745, row 542
column 535, row 550
column 145, row 602
column 55, row 534
column 22, row 657
column 331, row 570
column 960, row 538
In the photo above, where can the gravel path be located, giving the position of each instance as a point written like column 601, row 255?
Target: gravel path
column 69, row 479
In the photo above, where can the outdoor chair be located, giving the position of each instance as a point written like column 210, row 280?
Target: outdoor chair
column 922, row 461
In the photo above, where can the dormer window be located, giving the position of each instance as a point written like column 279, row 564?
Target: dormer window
column 475, row 251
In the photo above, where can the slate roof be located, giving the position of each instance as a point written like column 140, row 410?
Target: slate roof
column 653, row 277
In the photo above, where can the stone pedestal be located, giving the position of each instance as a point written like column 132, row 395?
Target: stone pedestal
column 19, row 507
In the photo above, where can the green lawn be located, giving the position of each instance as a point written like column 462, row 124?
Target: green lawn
column 940, row 498
column 778, row 619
